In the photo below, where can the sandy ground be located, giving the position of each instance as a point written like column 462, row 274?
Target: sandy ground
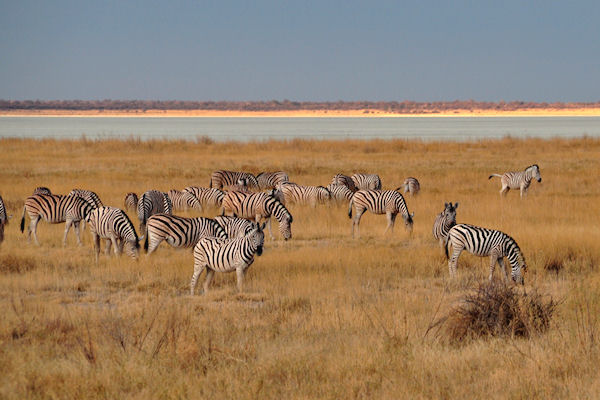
column 550, row 112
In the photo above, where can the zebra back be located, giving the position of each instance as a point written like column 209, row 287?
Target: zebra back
column 180, row 231
column 221, row 178
column 207, row 197
column 131, row 201
column 235, row 227
column 269, row 180
column 183, row 200
column 344, row 180
column 42, row 190
column 88, row 196
column 367, row 181
column 305, row 194
column 340, row 193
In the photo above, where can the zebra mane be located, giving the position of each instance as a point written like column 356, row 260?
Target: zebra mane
column 259, row 174
column 137, row 245
column 533, row 165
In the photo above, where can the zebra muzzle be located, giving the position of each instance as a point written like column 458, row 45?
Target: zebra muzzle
column 259, row 250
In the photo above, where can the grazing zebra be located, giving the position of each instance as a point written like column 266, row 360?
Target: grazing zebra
column 114, row 225
column 240, row 186
column 366, row 181
column 42, row 190
column 345, row 180
column 55, row 209
column 221, row 179
column 259, row 206
column 131, row 200
column 443, row 222
column 183, row 200
column 340, row 193
column 226, row 255
column 3, row 219
column 208, row 197
column 412, row 186
column 388, row 202
column 518, row 179
column 235, row 227
column 88, row 196
column 296, row 194
column 152, row 202
column 179, row 231
column 484, row 242
column 269, row 180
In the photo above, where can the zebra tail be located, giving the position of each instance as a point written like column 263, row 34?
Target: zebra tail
column 146, row 240
column 493, row 175
column 350, row 208
column 446, row 248
column 23, row 221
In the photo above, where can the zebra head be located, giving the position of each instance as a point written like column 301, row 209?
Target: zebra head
column 408, row 221
column 257, row 237
column 535, row 171
column 450, row 213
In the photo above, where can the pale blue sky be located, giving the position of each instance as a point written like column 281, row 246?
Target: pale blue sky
column 300, row 50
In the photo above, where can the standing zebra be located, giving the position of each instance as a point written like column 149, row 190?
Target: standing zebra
column 114, row 225
column 259, row 206
column 412, row 186
column 226, row 255
column 42, row 190
column 3, row 219
column 235, row 227
column 152, row 202
column 345, row 180
column 55, row 209
column 220, row 179
column 388, row 202
column 183, row 200
column 444, row 222
column 340, row 193
column 518, row 179
column 208, row 197
column 269, row 180
column 296, row 194
column 131, row 200
column 484, row 242
column 179, row 231
column 88, row 196
column 367, row 181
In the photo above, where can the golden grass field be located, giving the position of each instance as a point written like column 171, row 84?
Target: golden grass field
column 322, row 315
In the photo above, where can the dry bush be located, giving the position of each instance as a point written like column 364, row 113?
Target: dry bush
column 497, row 309
column 15, row 264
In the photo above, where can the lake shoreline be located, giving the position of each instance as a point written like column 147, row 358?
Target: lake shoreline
column 575, row 112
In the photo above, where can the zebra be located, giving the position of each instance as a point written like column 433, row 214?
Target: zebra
column 269, row 180
column 518, row 179
column 152, row 202
column 42, row 190
column 484, row 242
column 220, row 179
column 412, row 186
column 258, row 206
column 340, row 193
column 296, row 194
column 183, row 200
column 114, row 225
column 240, row 186
column 345, row 180
column 3, row 219
column 234, row 226
column 388, row 202
column 88, row 196
column 444, row 222
column 55, row 209
column 130, row 202
column 226, row 255
column 367, row 181
column 208, row 197
column 179, row 231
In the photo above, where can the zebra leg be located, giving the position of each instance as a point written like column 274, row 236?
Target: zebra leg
column 199, row 265
column 523, row 191
column 240, row 278
column 67, row 228
column 453, row 261
column 268, row 226
column 503, row 266
column 154, row 242
column 108, row 247
column 33, row 229
column 210, row 274
column 115, row 245
column 77, row 232
column 356, row 221
column 96, row 241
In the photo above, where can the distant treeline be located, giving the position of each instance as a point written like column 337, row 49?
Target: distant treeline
column 285, row 105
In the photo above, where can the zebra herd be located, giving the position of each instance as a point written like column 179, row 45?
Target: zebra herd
column 229, row 242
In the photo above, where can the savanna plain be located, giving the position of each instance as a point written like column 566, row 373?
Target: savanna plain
column 322, row 315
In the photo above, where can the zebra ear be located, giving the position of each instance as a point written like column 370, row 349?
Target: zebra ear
column 446, row 205
column 412, row 214
column 263, row 226
column 456, row 206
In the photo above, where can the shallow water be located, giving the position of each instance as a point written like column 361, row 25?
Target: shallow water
column 255, row 128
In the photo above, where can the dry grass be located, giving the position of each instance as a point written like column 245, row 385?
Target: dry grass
column 322, row 316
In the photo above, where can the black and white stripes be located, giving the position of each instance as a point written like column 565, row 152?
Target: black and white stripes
column 3, row 219
column 150, row 203
column 312, row 195
column 183, row 200
column 444, row 222
column 366, row 181
column 226, row 255
column 222, row 179
column 518, row 179
column 388, row 202
column 484, row 242
column 114, row 225
column 269, row 180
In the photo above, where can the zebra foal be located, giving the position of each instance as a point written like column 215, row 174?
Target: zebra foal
column 114, row 225
column 484, row 242
column 179, row 231
column 388, row 202
column 55, row 209
column 444, row 222
column 226, row 255
column 518, row 179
